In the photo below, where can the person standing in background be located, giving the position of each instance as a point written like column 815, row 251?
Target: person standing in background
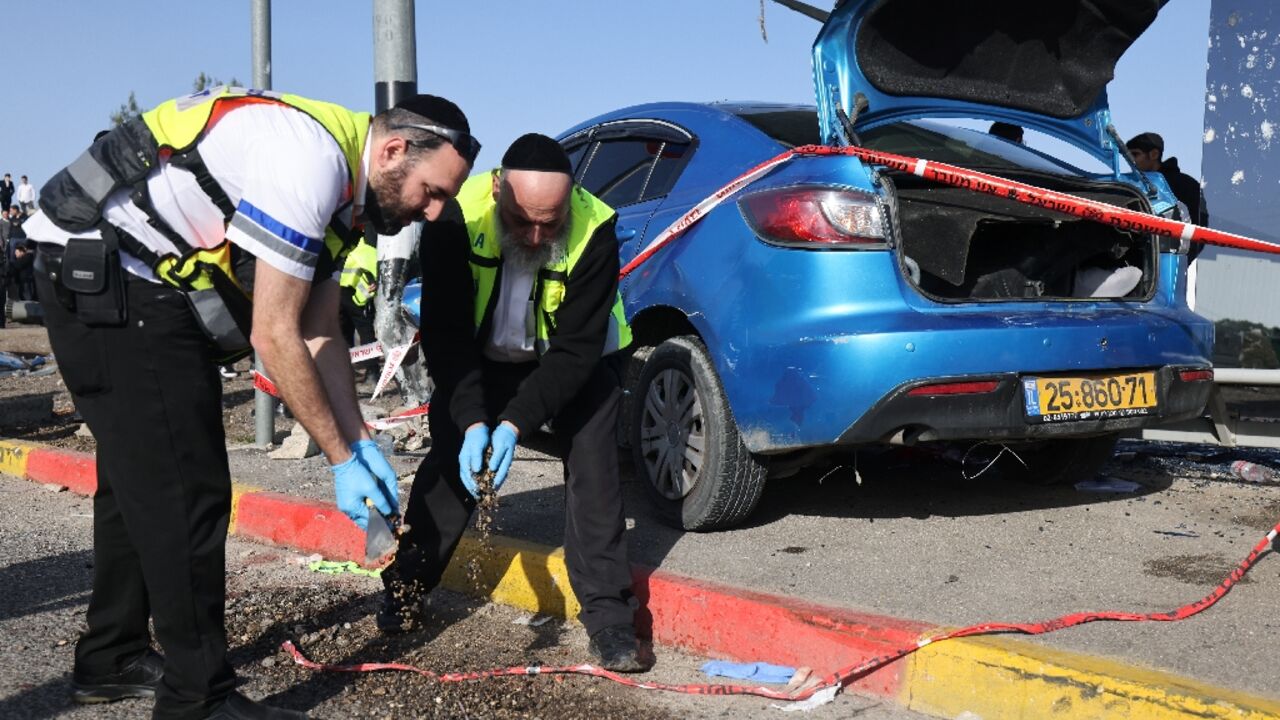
column 6, row 193
column 26, row 197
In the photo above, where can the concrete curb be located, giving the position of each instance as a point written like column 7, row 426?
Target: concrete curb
column 987, row 677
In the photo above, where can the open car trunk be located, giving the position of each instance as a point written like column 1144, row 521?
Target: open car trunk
column 958, row 245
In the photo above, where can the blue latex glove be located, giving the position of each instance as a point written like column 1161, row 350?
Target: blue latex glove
column 504, row 451
column 371, row 457
column 758, row 671
column 471, row 459
column 352, row 483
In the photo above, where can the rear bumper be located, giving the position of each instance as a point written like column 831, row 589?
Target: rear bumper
column 901, row 417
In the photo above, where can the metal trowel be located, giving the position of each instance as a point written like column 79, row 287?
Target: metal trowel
column 380, row 538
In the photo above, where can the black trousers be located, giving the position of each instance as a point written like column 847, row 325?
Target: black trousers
column 153, row 400
column 439, row 507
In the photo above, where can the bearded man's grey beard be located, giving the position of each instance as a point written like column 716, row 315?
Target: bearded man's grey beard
column 532, row 258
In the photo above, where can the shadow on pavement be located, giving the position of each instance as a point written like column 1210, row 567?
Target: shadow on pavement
column 907, row 484
column 50, row 699
column 45, row 584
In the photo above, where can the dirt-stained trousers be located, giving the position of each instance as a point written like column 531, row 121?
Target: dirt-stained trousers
column 440, row 508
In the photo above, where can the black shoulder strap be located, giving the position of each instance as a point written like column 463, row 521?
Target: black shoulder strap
column 191, row 161
column 114, row 238
column 141, row 197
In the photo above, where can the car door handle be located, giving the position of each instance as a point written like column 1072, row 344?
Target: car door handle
column 625, row 234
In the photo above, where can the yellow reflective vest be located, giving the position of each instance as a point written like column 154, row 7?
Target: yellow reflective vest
column 588, row 213
column 178, row 125
column 361, row 273
column 124, row 157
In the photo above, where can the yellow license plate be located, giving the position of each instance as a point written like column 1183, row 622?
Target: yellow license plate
column 1089, row 398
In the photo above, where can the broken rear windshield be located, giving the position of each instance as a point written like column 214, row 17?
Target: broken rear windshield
column 792, row 128
column 959, row 146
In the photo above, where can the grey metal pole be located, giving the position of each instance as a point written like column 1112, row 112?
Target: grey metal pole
column 395, row 53
column 264, row 406
column 395, row 68
column 261, row 19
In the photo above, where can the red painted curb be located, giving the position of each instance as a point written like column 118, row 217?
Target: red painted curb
column 698, row 616
column 725, row 621
column 78, row 471
column 307, row 525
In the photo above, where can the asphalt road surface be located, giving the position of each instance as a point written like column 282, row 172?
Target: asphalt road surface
column 44, row 582
column 906, row 535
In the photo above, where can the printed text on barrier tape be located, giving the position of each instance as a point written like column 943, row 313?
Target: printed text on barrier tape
column 840, row 677
column 394, row 358
column 1092, row 210
column 360, row 353
column 263, row 383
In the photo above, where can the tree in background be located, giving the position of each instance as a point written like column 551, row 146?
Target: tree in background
column 130, row 110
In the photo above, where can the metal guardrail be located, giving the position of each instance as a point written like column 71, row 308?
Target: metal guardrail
column 1219, row 428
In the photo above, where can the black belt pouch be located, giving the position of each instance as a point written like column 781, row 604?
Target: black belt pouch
column 91, row 269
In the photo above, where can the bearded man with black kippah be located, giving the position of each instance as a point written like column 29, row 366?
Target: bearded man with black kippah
column 522, row 324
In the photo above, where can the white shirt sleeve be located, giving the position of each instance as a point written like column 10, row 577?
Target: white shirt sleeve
column 291, row 189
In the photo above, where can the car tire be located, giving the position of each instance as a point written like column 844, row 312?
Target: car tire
column 1054, row 462
column 679, row 398
column 631, row 370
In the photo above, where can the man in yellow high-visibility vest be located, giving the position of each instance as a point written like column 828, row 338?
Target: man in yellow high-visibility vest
column 138, row 242
column 522, row 324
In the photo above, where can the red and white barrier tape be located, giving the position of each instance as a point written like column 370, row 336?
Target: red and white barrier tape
column 387, row 423
column 1122, row 218
column 840, row 677
column 700, row 210
column 263, row 383
column 369, row 351
column 394, row 358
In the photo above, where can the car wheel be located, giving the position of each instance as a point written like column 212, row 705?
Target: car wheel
column 685, row 442
column 631, row 370
column 1052, row 462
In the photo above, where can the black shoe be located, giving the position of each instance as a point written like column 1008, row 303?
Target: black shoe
column 403, row 610
column 404, row 601
column 617, row 650
column 239, row 707
column 138, row 679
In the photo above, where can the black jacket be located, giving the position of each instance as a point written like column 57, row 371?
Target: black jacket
column 453, row 346
column 1187, row 190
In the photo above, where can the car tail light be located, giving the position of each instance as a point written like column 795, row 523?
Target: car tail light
column 960, row 388
column 815, row 217
column 1196, row 375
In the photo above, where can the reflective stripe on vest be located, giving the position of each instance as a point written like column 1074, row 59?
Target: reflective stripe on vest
column 360, row 273
column 180, row 123
column 587, row 213
column 125, row 156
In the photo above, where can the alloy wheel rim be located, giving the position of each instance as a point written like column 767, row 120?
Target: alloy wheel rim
column 672, row 437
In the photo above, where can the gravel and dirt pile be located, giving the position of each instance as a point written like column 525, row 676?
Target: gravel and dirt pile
column 333, row 623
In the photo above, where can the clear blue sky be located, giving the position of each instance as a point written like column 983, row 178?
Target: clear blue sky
column 514, row 67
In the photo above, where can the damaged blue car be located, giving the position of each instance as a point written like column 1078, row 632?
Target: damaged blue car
column 832, row 304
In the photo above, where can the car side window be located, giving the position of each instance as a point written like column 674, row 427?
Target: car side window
column 576, row 154
column 619, row 170
column 670, row 161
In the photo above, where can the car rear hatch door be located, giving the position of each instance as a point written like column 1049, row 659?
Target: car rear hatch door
column 1041, row 64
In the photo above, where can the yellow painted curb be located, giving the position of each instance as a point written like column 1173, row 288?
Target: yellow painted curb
column 13, row 457
column 1010, row 680
column 517, row 573
column 238, row 489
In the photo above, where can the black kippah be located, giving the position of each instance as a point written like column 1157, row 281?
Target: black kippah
column 537, row 152
column 437, row 109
